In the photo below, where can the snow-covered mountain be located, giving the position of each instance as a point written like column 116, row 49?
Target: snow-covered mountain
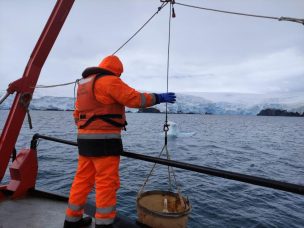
column 215, row 103
column 45, row 103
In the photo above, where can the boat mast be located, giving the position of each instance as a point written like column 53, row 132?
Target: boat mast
column 25, row 86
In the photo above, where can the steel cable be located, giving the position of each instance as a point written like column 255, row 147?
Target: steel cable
column 297, row 20
column 168, row 62
column 125, row 43
column 56, row 85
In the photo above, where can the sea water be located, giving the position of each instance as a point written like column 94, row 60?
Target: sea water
column 270, row 147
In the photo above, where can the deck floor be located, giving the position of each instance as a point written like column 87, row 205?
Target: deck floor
column 32, row 212
column 40, row 212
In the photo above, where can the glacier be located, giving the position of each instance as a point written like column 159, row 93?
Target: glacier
column 195, row 103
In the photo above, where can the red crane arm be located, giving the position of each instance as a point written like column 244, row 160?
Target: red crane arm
column 25, row 86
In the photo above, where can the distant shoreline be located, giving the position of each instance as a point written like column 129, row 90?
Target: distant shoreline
column 279, row 112
column 264, row 112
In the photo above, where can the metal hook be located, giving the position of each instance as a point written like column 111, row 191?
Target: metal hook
column 166, row 127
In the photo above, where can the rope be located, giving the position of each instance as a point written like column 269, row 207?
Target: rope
column 297, row 20
column 56, row 85
column 3, row 98
column 151, row 171
column 158, row 10
column 76, row 82
column 173, row 173
column 25, row 100
column 166, row 126
column 169, row 173
column 168, row 64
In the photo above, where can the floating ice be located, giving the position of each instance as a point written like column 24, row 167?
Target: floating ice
column 174, row 131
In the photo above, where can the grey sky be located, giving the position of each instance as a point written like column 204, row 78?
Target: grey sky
column 210, row 52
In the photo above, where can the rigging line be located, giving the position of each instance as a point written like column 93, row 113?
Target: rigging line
column 3, row 98
column 151, row 171
column 158, row 10
column 168, row 61
column 76, row 82
column 57, row 85
column 169, row 174
column 173, row 173
column 297, row 20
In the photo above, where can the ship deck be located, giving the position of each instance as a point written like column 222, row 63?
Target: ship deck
column 32, row 212
column 42, row 209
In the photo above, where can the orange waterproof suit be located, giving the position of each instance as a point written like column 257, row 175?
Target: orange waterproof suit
column 100, row 117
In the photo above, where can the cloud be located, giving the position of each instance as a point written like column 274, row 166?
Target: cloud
column 275, row 72
column 209, row 52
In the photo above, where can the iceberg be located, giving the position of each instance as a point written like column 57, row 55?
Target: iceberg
column 192, row 103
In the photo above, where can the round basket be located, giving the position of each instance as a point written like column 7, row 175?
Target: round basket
column 162, row 209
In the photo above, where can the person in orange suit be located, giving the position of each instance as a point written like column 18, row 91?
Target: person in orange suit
column 100, row 117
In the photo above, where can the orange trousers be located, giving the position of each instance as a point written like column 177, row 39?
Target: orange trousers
column 104, row 173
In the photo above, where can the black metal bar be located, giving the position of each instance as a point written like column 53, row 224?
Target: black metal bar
column 274, row 184
column 222, row 173
column 38, row 136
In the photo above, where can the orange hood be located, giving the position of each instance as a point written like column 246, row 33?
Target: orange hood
column 113, row 64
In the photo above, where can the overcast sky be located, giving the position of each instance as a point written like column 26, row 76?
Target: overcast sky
column 210, row 52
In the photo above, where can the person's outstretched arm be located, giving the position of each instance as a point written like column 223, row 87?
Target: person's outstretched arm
column 113, row 89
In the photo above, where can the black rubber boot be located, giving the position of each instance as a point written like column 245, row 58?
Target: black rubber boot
column 84, row 222
column 104, row 226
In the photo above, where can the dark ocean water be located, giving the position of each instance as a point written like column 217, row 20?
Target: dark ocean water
column 271, row 147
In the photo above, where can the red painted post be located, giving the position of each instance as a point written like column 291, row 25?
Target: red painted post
column 23, row 173
column 25, row 86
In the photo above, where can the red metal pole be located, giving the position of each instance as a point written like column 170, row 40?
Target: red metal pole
column 25, row 86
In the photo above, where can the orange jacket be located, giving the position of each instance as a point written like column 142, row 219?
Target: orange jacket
column 110, row 91
column 94, row 115
column 102, row 93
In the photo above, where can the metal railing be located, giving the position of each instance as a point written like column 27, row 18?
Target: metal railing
column 260, row 181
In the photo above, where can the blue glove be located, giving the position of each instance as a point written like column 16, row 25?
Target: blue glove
column 165, row 97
